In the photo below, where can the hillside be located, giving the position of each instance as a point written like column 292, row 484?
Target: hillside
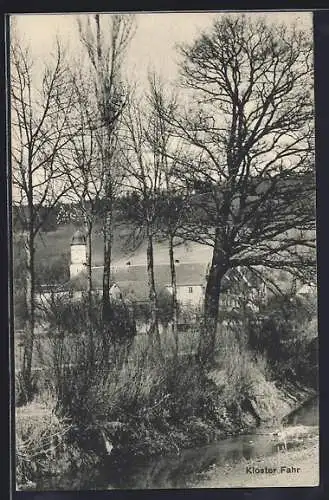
column 53, row 244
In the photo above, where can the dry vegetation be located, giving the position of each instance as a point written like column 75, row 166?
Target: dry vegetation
column 229, row 171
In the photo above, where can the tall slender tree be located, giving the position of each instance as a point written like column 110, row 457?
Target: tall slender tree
column 40, row 111
column 106, row 39
column 81, row 166
column 145, row 178
column 173, row 199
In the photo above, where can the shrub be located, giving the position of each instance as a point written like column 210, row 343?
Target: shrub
column 165, row 306
column 237, row 363
column 284, row 333
column 130, row 400
column 54, row 272
column 40, row 443
column 84, row 355
column 142, row 310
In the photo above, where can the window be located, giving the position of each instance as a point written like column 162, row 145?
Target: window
column 190, row 289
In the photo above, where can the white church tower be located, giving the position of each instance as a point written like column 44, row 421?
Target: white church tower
column 78, row 254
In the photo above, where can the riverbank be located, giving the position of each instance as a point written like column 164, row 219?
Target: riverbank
column 295, row 467
column 226, row 463
column 144, row 436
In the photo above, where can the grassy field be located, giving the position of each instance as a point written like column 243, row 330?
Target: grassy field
column 54, row 244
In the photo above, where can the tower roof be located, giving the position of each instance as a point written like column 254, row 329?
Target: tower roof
column 78, row 238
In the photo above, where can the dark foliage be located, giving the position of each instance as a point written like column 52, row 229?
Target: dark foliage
column 286, row 332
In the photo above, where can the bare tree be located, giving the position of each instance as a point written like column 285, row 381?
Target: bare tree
column 144, row 178
column 173, row 202
column 106, row 39
column 80, row 164
column 40, row 111
column 250, row 125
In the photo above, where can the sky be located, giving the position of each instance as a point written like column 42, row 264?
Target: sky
column 153, row 46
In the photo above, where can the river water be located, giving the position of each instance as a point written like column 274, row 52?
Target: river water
column 184, row 469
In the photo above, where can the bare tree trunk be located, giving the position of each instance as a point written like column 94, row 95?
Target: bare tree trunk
column 154, row 327
column 107, row 249
column 89, row 288
column 88, row 260
column 106, row 44
column 207, row 341
column 30, row 326
column 174, row 294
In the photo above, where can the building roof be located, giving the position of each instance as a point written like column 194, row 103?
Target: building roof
column 132, row 277
column 133, row 280
column 78, row 238
column 193, row 273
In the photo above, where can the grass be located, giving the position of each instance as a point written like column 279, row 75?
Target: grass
column 53, row 244
column 44, row 449
column 40, row 439
column 144, row 407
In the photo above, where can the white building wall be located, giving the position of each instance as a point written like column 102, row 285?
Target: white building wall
column 76, row 269
column 78, row 254
column 192, row 295
column 78, row 259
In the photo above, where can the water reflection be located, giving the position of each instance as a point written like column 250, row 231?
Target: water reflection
column 184, row 469
column 176, row 471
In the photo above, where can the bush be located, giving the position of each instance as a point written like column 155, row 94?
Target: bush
column 46, row 456
column 284, row 332
column 40, row 443
column 84, row 354
column 54, row 272
column 165, row 306
column 142, row 310
column 128, row 400
column 239, row 365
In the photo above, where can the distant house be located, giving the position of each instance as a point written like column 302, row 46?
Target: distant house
column 191, row 280
column 191, row 283
column 132, row 280
column 76, row 287
column 129, row 281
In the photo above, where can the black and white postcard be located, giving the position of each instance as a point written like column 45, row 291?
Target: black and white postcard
column 164, row 283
